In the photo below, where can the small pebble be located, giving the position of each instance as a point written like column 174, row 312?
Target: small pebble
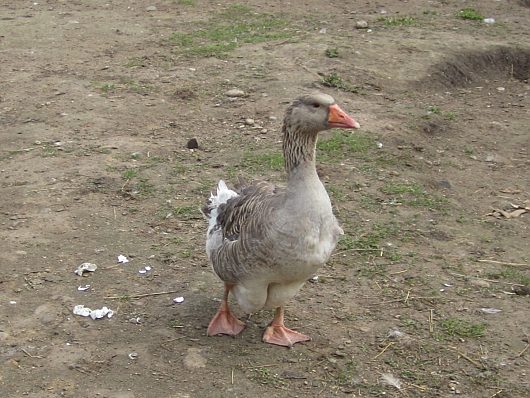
column 249, row 122
column 480, row 283
column 521, row 290
column 361, row 24
column 235, row 93
column 150, row 8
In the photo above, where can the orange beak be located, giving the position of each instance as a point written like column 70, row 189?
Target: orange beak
column 340, row 119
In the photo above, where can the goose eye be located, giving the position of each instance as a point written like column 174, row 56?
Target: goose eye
column 316, row 105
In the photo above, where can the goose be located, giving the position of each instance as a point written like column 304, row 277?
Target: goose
column 264, row 241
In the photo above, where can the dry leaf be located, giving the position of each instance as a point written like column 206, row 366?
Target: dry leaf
column 517, row 213
column 508, row 214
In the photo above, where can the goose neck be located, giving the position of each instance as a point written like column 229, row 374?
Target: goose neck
column 299, row 148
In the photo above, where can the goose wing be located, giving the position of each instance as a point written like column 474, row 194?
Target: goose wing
column 245, row 223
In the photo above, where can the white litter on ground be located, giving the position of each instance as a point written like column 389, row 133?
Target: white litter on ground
column 145, row 269
column 122, row 259
column 391, row 380
column 85, row 267
column 490, row 310
column 83, row 288
column 94, row 314
column 178, row 299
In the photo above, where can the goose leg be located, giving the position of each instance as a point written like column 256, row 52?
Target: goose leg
column 224, row 322
column 277, row 333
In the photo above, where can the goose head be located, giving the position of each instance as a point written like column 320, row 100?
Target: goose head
column 317, row 112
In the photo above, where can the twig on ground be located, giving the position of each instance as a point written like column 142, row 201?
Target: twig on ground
column 354, row 250
column 137, row 296
column 260, row 366
column 431, row 323
column 384, row 349
column 407, row 298
column 523, row 351
column 477, row 364
column 410, row 298
column 484, row 279
column 398, row 272
column 29, row 355
column 484, row 260
column 497, row 393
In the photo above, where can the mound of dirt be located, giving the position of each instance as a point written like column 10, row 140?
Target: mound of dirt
column 467, row 67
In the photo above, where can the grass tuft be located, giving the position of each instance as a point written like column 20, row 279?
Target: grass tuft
column 262, row 161
column 413, row 194
column 398, row 21
column 230, row 29
column 342, row 142
column 335, row 81
column 332, row 53
column 461, row 328
column 470, row 14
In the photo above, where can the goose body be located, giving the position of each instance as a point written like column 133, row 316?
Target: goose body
column 265, row 241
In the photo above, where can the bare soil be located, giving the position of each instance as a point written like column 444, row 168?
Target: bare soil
column 98, row 100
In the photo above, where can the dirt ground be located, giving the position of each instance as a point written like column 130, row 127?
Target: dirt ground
column 426, row 294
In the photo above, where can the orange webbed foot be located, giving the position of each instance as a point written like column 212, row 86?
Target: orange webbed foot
column 280, row 335
column 277, row 333
column 224, row 322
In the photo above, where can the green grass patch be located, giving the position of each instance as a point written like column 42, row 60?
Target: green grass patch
column 181, row 212
column 230, row 29
column 136, row 62
column 455, row 327
column 436, row 110
column 398, row 21
column 511, row 274
column 335, row 81
column 137, row 87
column 342, row 142
column 129, row 174
column 470, row 14
column 262, row 162
column 105, row 88
column 413, row 194
column 49, row 150
column 332, row 53
column 374, row 238
column 372, row 241
column 143, row 187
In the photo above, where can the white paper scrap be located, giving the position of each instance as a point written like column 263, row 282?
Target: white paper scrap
column 490, row 310
column 94, row 314
column 85, row 267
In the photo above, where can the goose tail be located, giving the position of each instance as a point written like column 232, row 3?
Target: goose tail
column 210, row 210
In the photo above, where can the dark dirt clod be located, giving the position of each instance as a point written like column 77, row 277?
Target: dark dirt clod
column 192, row 144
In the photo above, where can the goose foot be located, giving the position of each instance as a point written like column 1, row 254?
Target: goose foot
column 277, row 333
column 224, row 322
